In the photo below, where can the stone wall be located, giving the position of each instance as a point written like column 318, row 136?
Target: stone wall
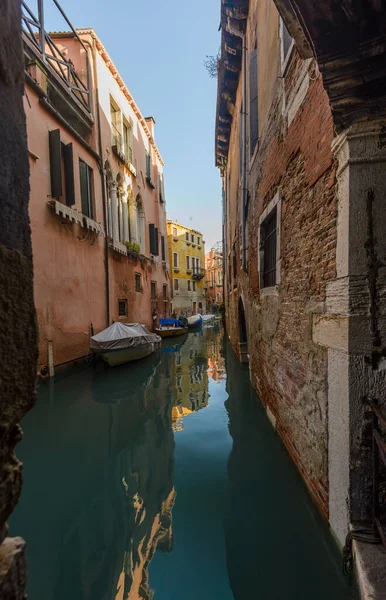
column 17, row 316
column 288, row 370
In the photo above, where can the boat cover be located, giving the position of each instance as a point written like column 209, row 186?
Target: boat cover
column 170, row 323
column 194, row 320
column 123, row 335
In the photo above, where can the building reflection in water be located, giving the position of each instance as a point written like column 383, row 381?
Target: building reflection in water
column 216, row 360
column 189, row 378
column 99, row 490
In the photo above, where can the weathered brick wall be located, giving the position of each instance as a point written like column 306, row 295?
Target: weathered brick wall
column 18, row 347
column 288, row 370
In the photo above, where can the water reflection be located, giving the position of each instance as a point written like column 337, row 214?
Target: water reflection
column 99, row 491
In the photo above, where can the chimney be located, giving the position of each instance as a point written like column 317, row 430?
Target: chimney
column 150, row 123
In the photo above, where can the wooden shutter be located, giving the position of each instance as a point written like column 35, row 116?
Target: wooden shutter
column 55, row 163
column 151, row 237
column 163, row 247
column 68, row 155
column 253, row 102
column 156, row 242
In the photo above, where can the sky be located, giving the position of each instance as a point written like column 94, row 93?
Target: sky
column 159, row 48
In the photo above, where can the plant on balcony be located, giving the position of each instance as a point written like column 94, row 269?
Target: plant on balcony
column 133, row 246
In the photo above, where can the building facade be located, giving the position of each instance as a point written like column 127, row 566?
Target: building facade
column 214, row 276
column 187, row 267
column 97, row 205
column 301, row 223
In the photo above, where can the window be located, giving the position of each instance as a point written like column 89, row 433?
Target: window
column 116, row 137
column 153, row 290
column 163, row 255
column 192, row 238
column 189, row 285
column 128, row 141
column 198, row 240
column 253, row 102
column 268, row 245
column 122, row 308
column 194, row 286
column 138, row 282
column 148, row 166
column 174, row 232
column 286, row 45
column 165, row 292
column 61, row 163
column 188, row 262
column 153, row 239
column 85, row 173
column 187, row 236
column 176, row 285
column 161, row 188
column 175, row 260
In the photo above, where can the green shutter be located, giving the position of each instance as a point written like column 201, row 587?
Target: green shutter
column 55, row 163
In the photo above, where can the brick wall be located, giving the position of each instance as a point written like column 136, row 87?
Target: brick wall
column 288, row 370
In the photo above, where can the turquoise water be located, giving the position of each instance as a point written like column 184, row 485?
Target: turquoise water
column 165, row 479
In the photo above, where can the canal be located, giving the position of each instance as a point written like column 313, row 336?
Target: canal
column 164, row 479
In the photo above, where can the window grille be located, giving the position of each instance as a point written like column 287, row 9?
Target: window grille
column 138, row 282
column 122, row 308
column 268, row 236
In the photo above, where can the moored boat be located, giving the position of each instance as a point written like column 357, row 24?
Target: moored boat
column 170, row 328
column 124, row 342
column 194, row 322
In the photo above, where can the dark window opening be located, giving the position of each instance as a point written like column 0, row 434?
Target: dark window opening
column 176, row 285
column 187, row 236
column 153, row 238
column 163, row 254
column 165, row 292
column 86, row 191
column 153, row 290
column 138, row 282
column 122, row 308
column 192, row 238
column 194, row 286
column 268, row 236
column 189, row 285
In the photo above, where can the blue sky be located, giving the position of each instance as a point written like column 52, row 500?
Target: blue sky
column 159, row 49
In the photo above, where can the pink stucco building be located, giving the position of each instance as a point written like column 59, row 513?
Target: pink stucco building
column 97, row 205
column 214, row 276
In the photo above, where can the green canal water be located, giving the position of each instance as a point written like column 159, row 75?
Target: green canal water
column 164, row 479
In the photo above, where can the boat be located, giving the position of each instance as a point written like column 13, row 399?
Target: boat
column 206, row 319
column 123, row 342
column 194, row 322
column 170, row 328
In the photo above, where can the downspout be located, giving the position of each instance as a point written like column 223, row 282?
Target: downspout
column 103, row 183
column 237, row 32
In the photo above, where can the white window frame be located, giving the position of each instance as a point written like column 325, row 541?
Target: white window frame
column 284, row 59
column 274, row 203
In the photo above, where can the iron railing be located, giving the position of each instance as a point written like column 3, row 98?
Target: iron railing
column 50, row 54
column 198, row 273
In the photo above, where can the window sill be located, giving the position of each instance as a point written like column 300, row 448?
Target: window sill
column 273, row 290
column 188, row 243
column 175, row 239
column 193, row 245
column 176, row 269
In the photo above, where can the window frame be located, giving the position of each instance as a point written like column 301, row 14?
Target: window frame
column 90, row 189
column 174, row 232
column 273, row 205
column 176, row 264
column 125, row 303
column 176, row 281
column 285, row 59
column 194, row 286
column 153, row 287
column 138, row 278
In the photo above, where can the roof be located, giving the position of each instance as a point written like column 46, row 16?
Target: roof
column 170, row 222
column 229, row 69
column 114, row 71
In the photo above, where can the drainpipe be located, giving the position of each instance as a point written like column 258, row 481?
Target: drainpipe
column 237, row 32
column 103, row 183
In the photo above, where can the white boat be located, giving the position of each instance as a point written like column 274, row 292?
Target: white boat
column 124, row 342
column 208, row 318
column 195, row 321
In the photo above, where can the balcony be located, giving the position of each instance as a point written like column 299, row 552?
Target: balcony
column 53, row 72
column 198, row 273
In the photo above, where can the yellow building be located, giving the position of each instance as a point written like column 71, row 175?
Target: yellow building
column 187, row 267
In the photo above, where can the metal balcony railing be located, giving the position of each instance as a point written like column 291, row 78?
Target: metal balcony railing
column 198, row 273
column 50, row 54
